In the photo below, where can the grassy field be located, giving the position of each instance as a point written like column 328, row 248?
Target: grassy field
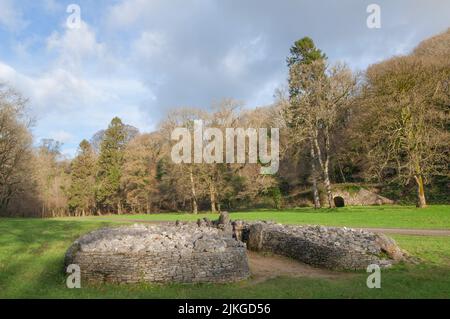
column 433, row 217
column 32, row 251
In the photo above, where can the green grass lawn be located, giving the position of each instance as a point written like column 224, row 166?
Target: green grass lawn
column 32, row 251
column 433, row 217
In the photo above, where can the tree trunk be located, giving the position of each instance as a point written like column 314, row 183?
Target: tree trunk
column 212, row 195
column 420, row 192
column 316, row 197
column 342, row 172
column 325, row 167
column 326, row 181
column 194, row 195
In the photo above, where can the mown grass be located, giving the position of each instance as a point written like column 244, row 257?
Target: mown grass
column 32, row 252
column 432, row 217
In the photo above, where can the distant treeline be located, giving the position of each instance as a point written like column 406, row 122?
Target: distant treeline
column 389, row 125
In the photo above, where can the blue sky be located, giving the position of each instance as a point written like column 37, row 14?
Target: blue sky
column 137, row 59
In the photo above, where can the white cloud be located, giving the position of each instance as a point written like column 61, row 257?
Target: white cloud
column 52, row 6
column 267, row 91
column 7, row 72
column 129, row 12
column 138, row 58
column 61, row 136
column 149, row 45
column 74, row 46
column 21, row 48
column 244, row 55
column 75, row 89
column 56, row 90
column 69, row 107
column 10, row 16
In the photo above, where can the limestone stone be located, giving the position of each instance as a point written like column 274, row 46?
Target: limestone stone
column 159, row 253
column 208, row 251
column 329, row 247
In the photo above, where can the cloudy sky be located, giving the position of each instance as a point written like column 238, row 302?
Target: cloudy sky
column 137, row 59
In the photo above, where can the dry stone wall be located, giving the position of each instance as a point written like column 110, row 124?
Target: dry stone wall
column 215, row 251
column 329, row 247
column 159, row 253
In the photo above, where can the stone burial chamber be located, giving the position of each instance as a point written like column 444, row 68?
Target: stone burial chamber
column 159, row 253
column 215, row 251
column 337, row 248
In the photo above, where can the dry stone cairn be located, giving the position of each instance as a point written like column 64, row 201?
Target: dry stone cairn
column 329, row 247
column 215, row 251
column 159, row 253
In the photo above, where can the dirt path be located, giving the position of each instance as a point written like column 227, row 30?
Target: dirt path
column 264, row 267
column 398, row 231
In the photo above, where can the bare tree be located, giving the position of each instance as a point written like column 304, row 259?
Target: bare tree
column 52, row 178
column 139, row 179
column 185, row 173
column 15, row 146
column 406, row 102
column 323, row 93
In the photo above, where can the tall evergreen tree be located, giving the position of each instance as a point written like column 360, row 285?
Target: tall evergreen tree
column 81, row 191
column 304, row 53
column 318, row 95
column 108, row 192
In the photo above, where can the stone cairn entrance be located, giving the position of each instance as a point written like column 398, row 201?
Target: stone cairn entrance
column 215, row 251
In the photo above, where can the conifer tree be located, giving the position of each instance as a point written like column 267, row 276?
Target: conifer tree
column 304, row 53
column 108, row 191
column 81, row 198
